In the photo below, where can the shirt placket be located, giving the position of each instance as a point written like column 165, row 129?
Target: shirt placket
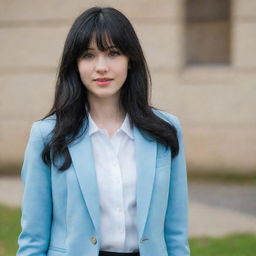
column 114, row 143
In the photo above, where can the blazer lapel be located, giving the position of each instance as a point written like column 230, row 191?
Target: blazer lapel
column 145, row 151
column 82, row 158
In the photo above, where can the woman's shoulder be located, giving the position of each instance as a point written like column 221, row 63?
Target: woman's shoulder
column 169, row 117
column 43, row 127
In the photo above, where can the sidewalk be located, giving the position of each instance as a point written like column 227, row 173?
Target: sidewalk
column 214, row 209
column 220, row 209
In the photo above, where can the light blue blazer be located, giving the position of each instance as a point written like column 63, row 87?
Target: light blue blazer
column 60, row 210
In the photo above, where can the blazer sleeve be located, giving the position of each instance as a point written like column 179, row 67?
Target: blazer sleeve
column 36, row 209
column 176, row 222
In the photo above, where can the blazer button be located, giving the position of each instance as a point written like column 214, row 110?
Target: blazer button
column 93, row 240
column 143, row 239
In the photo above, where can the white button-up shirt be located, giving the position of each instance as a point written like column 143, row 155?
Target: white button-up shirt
column 115, row 165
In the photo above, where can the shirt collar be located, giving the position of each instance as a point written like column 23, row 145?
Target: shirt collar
column 125, row 127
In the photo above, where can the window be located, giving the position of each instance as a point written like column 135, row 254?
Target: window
column 207, row 32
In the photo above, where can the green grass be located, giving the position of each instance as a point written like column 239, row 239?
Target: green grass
column 9, row 231
column 233, row 245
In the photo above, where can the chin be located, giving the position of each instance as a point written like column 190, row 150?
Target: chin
column 104, row 95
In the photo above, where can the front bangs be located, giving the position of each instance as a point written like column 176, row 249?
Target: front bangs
column 105, row 34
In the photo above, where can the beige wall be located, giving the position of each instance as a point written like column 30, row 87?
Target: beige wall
column 216, row 105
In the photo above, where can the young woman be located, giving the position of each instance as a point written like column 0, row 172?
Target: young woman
column 104, row 172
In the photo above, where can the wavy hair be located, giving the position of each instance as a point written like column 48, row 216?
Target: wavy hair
column 71, row 105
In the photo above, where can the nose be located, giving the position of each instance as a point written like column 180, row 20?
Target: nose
column 101, row 65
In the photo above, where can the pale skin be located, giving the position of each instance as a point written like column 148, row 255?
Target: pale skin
column 103, row 100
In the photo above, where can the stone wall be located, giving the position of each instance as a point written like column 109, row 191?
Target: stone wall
column 216, row 104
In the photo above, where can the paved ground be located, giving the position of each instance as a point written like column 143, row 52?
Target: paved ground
column 219, row 209
column 214, row 210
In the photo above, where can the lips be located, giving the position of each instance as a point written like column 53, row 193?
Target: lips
column 104, row 79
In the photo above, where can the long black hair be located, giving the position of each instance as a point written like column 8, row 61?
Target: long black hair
column 71, row 105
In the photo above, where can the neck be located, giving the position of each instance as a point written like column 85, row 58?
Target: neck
column 106, row 111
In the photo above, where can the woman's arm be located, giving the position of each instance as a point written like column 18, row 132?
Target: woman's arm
column 176, row 222
column 37, row 199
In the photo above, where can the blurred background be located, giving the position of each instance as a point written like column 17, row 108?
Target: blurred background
column 202, row 58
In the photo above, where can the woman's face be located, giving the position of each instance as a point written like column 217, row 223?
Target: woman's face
column 103, row 73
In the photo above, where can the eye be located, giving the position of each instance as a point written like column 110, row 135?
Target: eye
column 114, row 53
column 87, row 55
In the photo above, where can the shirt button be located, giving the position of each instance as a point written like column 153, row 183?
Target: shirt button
column 118, row 209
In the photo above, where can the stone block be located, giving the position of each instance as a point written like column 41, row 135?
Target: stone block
column 244, row 9
column 31, row 47
column 206, row 103
column 26, row 97
column 220, row 147
column 14, row 135
column 244, row 45
column 161, row 44
column 56, row 10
